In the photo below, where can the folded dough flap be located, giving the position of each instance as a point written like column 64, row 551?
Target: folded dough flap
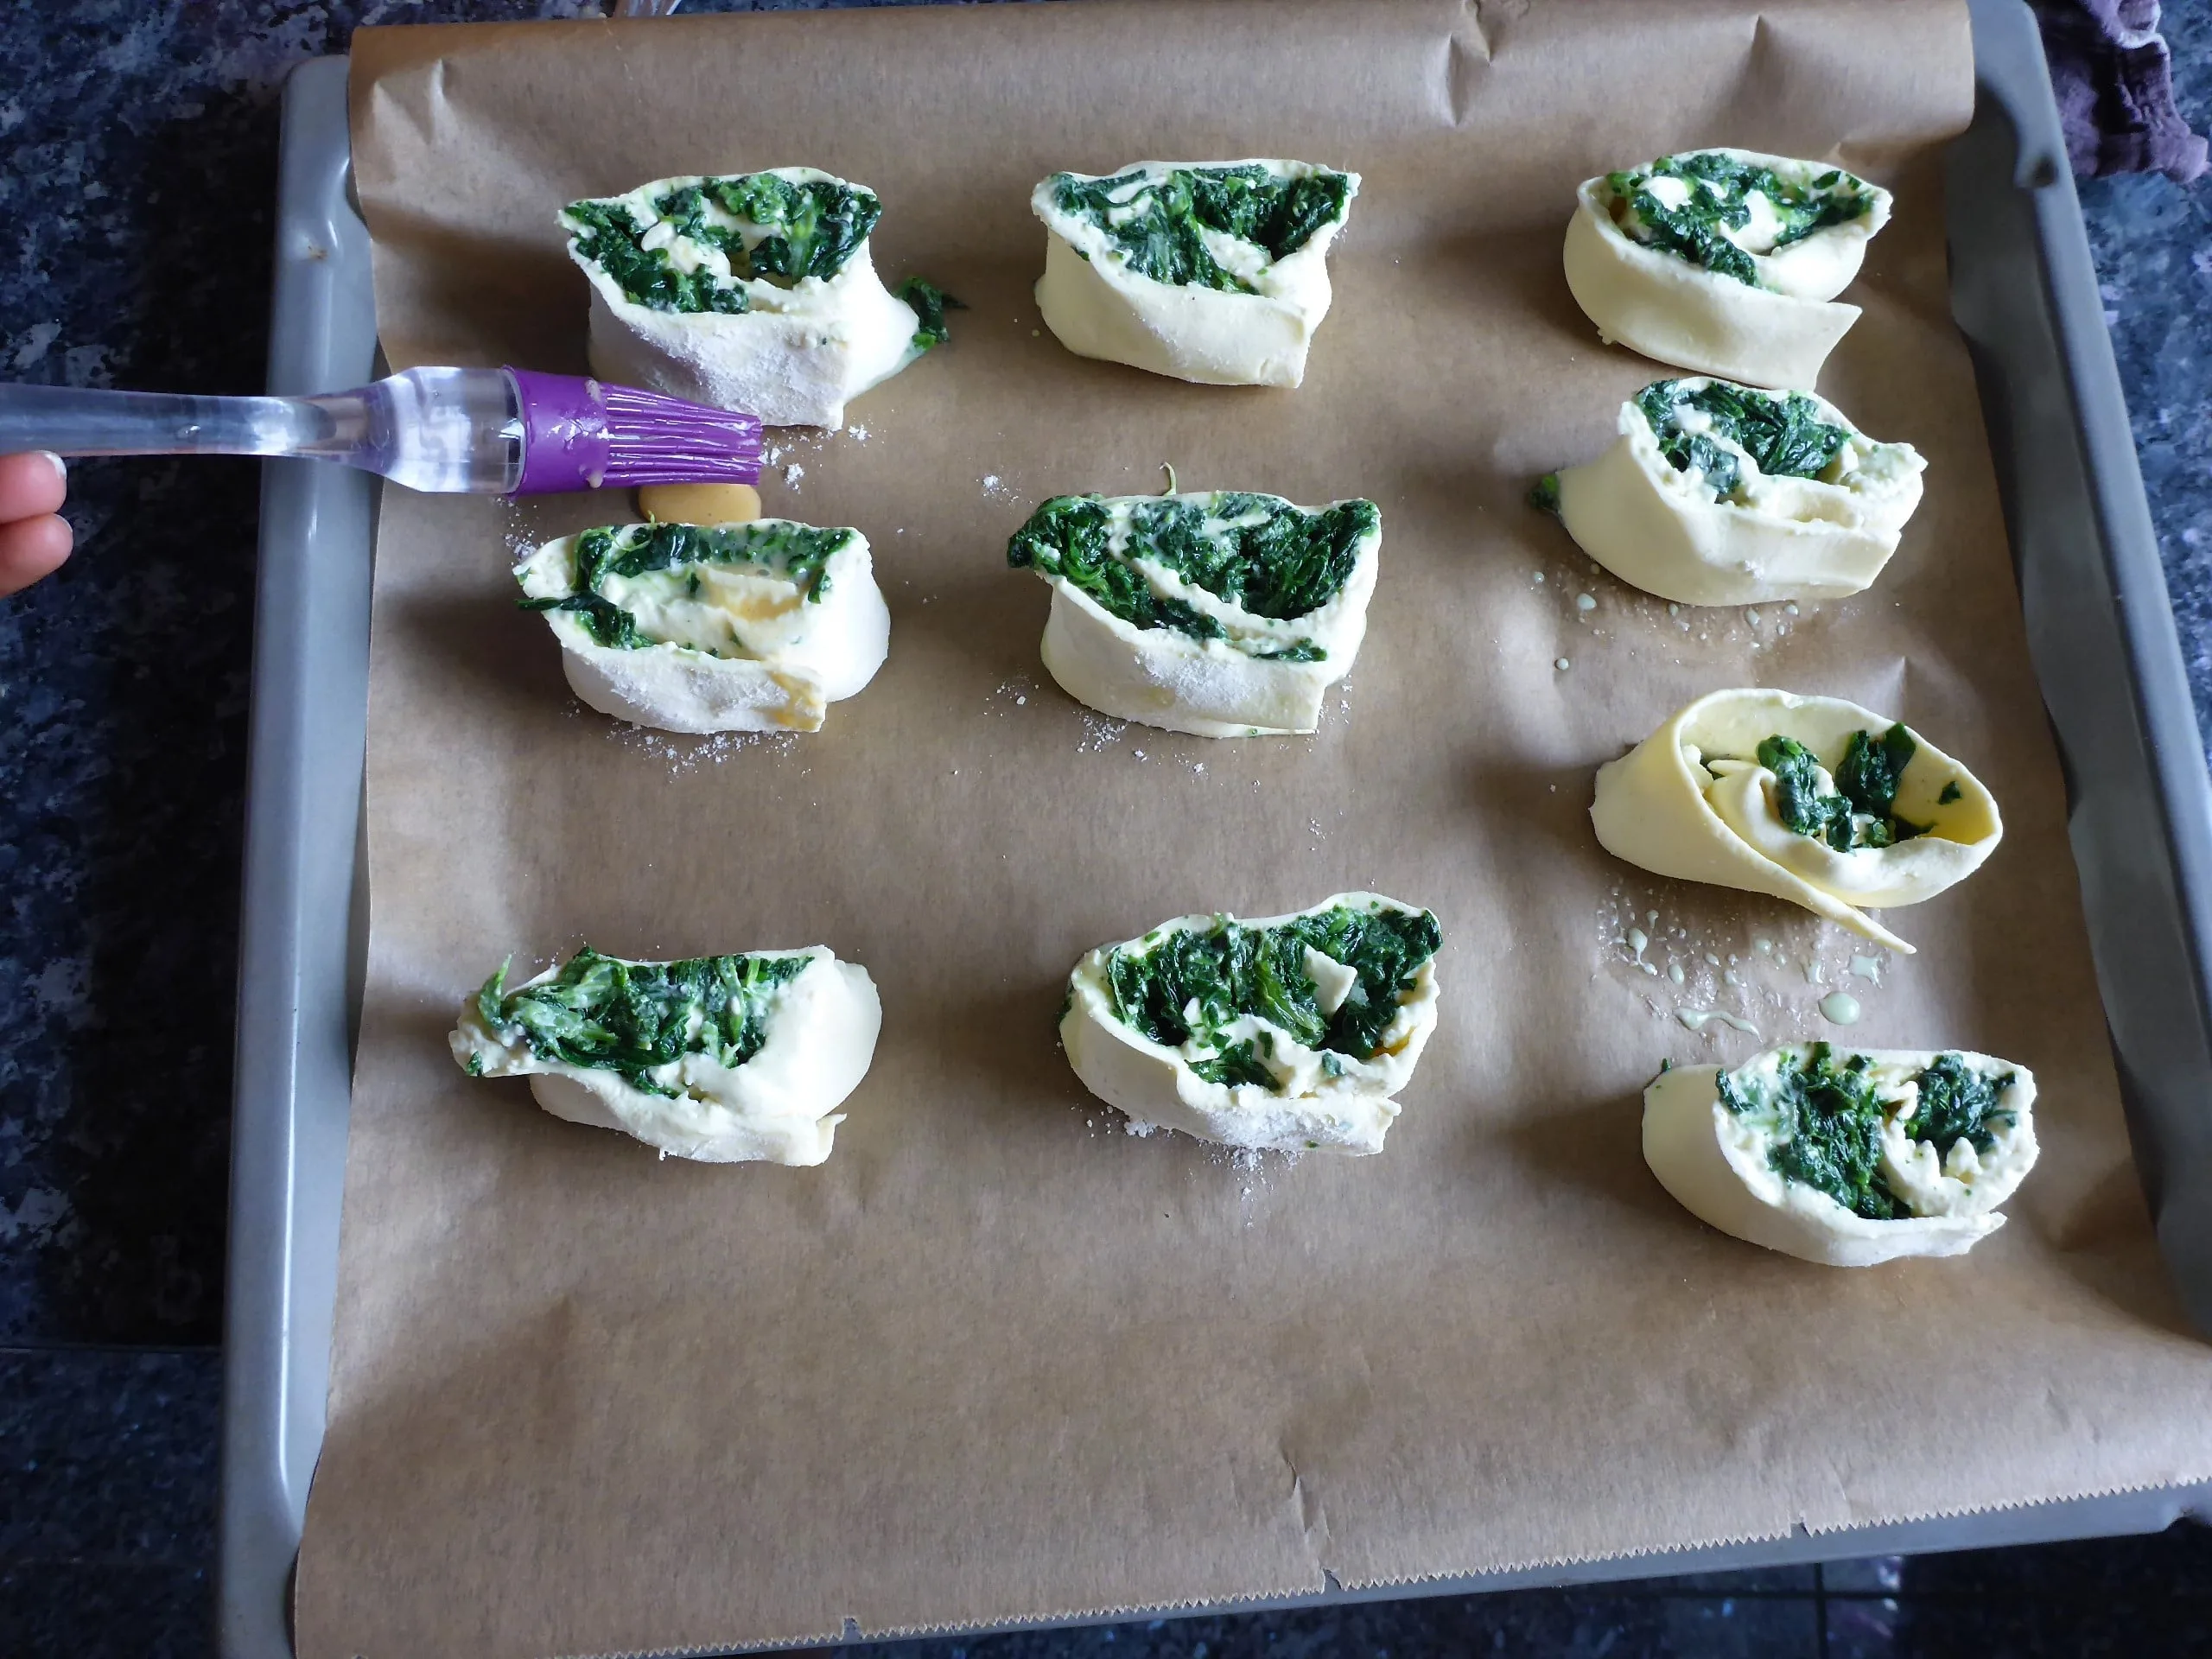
column 1651, row 807
column 701, row 1057
column 1226, row 226
column 1291, row 1032
column 1259, row 573
column 1766, row 320
column 1845, row 1157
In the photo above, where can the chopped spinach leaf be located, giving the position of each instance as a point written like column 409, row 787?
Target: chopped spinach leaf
column 611, row 627
column 1157, row 224
column 1716, row 191
column 633, row 1018
column 1870, row 769
column 1859, row 814
column 789, row 230
column 811, row 226
column 1543, row 496
column 1240, row 1063
column 1828, row 1129
column 1192, row 983
column 1957, row 1103
column 1262, row 554
column 930, row 302
column 608, row 235
column 1784, row 436
column 1950, row 793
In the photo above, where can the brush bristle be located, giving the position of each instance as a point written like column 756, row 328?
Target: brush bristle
column 653, row 438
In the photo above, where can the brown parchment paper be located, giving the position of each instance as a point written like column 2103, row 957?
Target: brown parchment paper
column 997, row 1360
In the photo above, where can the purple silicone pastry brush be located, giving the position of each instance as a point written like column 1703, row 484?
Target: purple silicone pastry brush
column 474, row 431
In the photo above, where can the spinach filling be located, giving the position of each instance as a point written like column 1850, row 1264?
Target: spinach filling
column 1784, row 436
column 1260, row 553
column 1957, row 1104
column 1719, row 187
column 1828, row 1122
column 1828, row 1129
column 632, row 1018
column 1157, row 225
column 798, row 229
column 930, row 302
column 800, row 553
column 1192, row 984
column 1859, row 814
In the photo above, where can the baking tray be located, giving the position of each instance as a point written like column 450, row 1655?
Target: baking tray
column 2101, row 631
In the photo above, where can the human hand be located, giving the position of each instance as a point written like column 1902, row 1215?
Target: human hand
column 34, row 538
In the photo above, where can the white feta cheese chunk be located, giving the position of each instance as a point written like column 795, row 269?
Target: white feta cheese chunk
column 723, row 1060
column 1812, row 799
column 1211, row 271
column 741, row 627
column 1721, row 494
column 1848, row 1158
column 1287, row 1034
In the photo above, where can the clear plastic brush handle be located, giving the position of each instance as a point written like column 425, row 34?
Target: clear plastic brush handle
column 443, row 430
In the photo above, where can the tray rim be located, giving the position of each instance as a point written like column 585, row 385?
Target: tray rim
column 299, row 971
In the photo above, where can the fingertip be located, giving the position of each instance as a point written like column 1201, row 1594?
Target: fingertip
column 32, row 484
column 31, row 549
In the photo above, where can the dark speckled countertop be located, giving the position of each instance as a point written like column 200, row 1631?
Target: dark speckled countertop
column 140, row 143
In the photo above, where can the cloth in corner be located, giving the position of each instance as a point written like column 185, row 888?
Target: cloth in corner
column 2113, row 77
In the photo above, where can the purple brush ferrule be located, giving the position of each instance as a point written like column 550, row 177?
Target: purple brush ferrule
column 584, row 435
column 564, row 442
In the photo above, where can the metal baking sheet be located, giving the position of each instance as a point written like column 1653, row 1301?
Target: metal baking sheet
column 2102, row 631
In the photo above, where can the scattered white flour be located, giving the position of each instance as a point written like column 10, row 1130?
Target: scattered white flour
column 1098, row 732
column 793, row 473
column 1011, row 695
column 860, row 433
column 686, row 753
